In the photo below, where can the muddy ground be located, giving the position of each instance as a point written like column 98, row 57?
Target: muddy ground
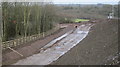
column 100, row 47
column 9, row 57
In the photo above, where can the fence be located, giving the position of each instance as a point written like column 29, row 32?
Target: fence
column 23, row 40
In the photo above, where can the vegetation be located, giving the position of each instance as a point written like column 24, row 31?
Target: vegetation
column 21, row 19
column 74, row 20
column 0, row 23
column 80, row 20
column 98, row 11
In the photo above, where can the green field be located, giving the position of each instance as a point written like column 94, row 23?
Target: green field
column 79, row 20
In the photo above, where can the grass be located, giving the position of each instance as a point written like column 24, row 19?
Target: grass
column 75, row 20
column 79, row 20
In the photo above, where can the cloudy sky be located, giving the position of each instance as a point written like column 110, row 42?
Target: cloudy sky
column 85, row 1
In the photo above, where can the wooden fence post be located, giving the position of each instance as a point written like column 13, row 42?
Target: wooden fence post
column 24, row 40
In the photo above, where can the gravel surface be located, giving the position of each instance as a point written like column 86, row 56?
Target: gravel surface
column 29, row 49
column 57, row 47
column 100, row 47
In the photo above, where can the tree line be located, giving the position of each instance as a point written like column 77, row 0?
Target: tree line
column 97, row 11
column 21, row 19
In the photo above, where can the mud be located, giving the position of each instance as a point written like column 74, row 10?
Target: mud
column 100, row 47
column 31, row 48
column 53, row 52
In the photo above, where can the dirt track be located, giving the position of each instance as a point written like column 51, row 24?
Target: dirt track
column 57, row 47
column 98, row 48
column 32, row 48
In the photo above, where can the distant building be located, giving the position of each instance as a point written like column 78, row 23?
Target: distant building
column 110, row 16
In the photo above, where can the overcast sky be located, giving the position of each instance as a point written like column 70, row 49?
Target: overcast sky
column 68, row 1
column 85, row 1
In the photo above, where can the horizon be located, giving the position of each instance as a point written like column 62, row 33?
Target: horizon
column 88, row 3
column 113, row 2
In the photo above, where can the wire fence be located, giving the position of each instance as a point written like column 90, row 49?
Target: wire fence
column 24, row 40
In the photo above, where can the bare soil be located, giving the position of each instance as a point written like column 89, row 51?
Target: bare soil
column 9, row 57
column 100, row 47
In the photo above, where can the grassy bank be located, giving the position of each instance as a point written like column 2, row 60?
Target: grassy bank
column 80, row 20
